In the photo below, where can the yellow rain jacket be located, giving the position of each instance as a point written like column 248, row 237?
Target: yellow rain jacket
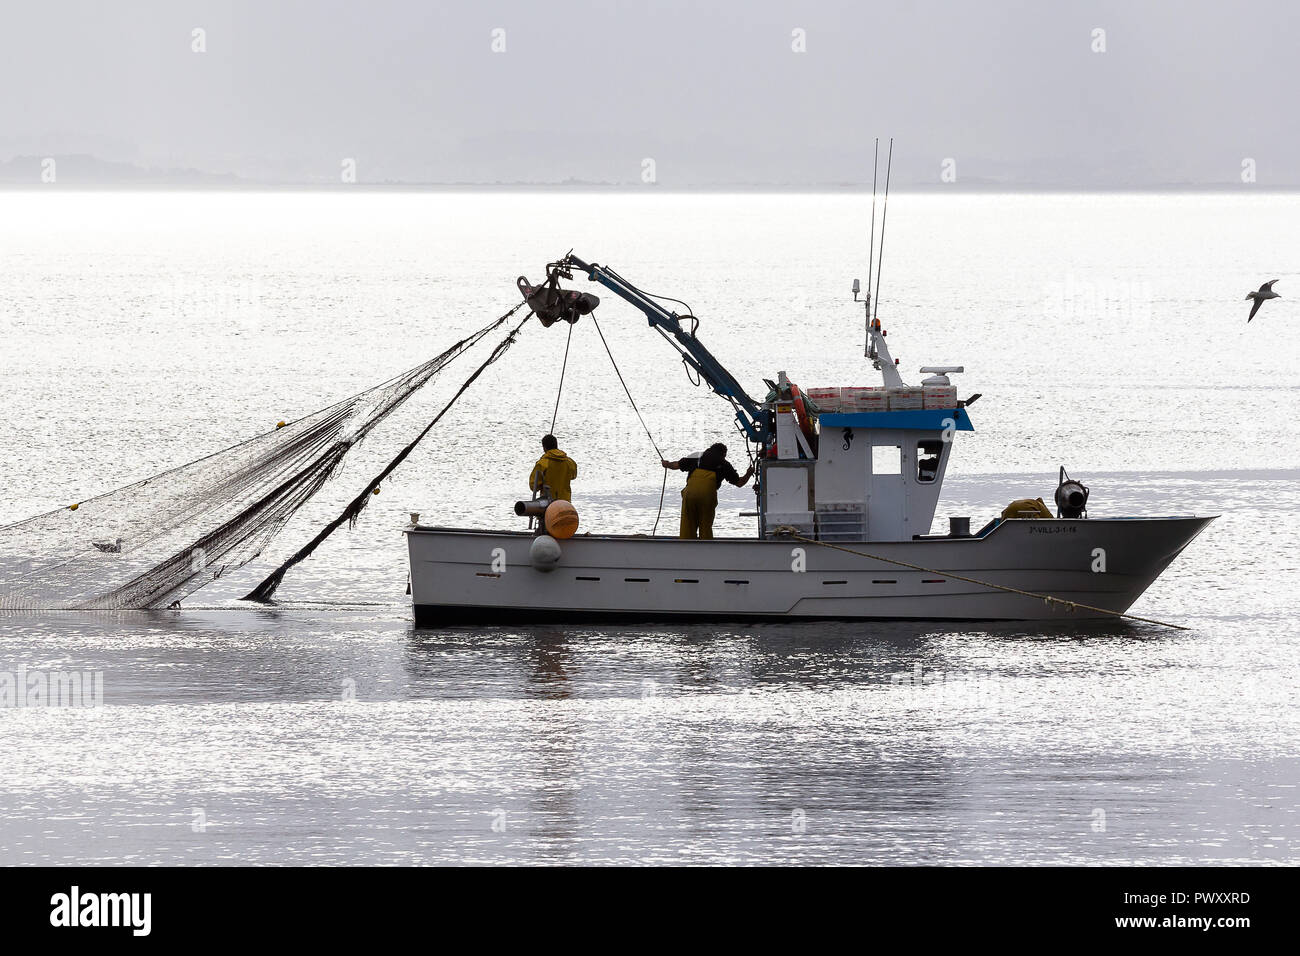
column 555, row 469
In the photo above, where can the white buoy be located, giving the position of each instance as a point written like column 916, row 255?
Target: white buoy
column 544, row 553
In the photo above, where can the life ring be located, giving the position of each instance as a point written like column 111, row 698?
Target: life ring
column 804, row 419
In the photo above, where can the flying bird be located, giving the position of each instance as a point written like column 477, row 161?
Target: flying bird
column 1265, row 292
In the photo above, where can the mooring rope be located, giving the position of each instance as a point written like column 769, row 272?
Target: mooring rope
column 1048, row 598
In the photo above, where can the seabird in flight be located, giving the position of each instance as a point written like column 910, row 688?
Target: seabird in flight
column 1265, row 292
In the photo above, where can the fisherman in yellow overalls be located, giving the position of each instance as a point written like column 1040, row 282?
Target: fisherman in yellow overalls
column 700, row 496
column 554, row 469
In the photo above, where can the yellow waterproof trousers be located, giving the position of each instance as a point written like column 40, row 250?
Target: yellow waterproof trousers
column 699, row 504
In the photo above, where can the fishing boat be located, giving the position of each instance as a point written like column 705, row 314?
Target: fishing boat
column 848, row 483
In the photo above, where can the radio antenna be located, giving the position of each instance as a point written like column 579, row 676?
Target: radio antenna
column 884, row 211
column 871, row 247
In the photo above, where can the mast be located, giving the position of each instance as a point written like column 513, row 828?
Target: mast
column 874, row 346
column 871, row 250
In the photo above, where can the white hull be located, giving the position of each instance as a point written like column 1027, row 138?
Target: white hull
column 460, row 576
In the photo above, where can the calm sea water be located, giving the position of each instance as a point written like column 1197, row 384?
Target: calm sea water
column 1106, row 333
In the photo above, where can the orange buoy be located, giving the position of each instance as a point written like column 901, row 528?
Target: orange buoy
column 561, row 519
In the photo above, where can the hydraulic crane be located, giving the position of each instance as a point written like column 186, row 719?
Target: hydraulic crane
column 551, row 303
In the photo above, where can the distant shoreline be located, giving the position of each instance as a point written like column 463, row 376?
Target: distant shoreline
column 966, row 189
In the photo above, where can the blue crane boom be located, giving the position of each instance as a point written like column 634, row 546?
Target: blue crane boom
column 755, row 421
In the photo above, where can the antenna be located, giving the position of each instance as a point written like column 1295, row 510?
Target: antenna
column 871, row 248
column 884, row 211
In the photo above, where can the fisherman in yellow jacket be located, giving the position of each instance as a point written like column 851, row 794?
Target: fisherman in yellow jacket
column 704, row 477
column 554, row 469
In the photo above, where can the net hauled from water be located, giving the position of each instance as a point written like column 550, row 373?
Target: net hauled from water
column 152, row 543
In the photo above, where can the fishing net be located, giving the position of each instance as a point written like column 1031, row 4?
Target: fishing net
column 150, row 544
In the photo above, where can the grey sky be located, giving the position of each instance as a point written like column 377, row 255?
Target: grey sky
column 713, row 92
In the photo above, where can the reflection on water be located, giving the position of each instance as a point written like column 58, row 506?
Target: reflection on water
column 305, row 735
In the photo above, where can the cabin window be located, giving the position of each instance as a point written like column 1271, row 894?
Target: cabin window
column 886, row 460
column 927, row 460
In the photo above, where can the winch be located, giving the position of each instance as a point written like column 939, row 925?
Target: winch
column 557, row 518
column 1071, row 497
